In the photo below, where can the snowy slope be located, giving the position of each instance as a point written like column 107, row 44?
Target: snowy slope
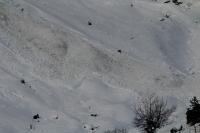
column 117, row 25
column 72, row 69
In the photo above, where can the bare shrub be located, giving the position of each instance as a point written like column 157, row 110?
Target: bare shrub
column 152, row 113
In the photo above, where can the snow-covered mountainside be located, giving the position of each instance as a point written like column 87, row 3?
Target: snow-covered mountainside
column 83, row 64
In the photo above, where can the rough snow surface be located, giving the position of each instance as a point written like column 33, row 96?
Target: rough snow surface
column 68, row 59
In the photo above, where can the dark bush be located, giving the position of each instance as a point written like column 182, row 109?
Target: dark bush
column 193, row 113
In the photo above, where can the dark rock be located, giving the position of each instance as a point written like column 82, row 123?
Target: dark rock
column 89, row 23
column 178, row 3
column 35, row 117
column 162, row 19
column 131, row 4
column 23, row 81
column 167, row 16
column 94, row 115
column 119, row 51
column 167, row 1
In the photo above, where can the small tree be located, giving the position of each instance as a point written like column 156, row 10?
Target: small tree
column 152, row 113
column 193, row 113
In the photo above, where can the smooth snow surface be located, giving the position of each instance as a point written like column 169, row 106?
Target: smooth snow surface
column 83, row 57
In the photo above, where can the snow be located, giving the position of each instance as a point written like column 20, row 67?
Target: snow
column 72, row 70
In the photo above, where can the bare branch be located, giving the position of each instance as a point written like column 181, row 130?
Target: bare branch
column 152, row 113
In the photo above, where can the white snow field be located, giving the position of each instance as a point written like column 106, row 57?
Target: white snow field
column 68, row 59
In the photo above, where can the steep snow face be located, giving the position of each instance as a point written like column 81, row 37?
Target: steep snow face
column 52, row 53
column 136, row 30
column 83, row 57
